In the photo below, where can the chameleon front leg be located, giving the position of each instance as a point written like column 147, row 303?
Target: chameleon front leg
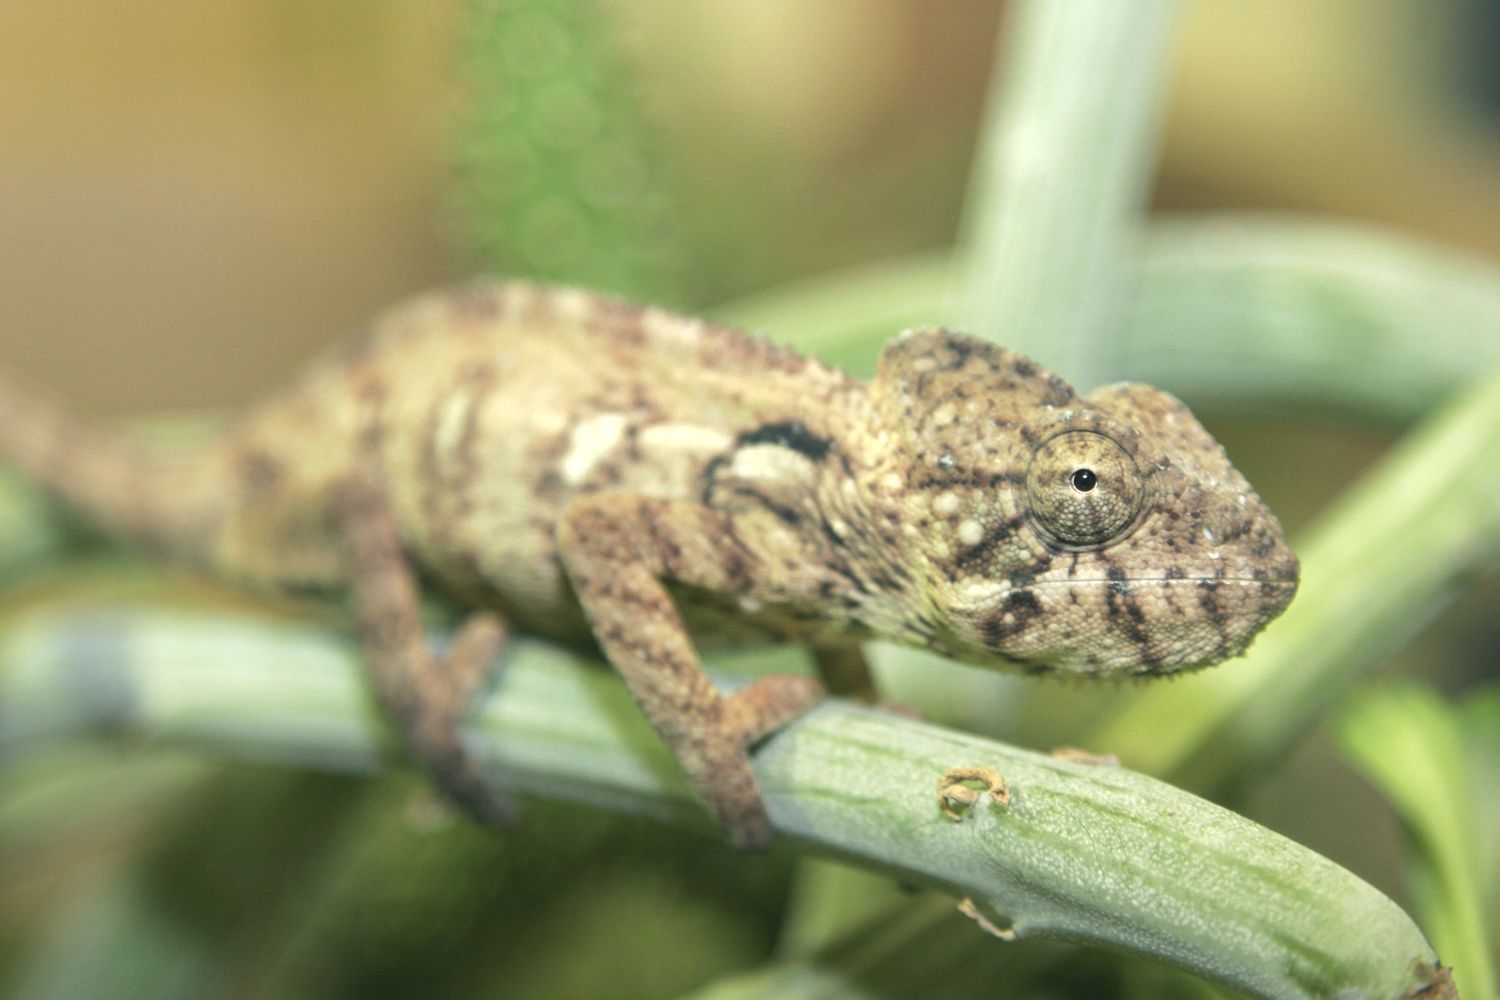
column 618, row 549
column 424, row 695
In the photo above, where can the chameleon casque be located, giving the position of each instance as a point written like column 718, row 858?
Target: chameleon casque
column 648, row 484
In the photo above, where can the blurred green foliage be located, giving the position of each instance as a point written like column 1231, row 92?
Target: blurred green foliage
column 250, row 881
column 562, row 178
column 1437, row 763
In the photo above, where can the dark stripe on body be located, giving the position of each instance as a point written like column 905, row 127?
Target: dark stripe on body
column 788, row 434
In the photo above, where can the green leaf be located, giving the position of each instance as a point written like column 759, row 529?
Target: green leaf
column 1479, row 715
column 1410, row 744
column 119, row 945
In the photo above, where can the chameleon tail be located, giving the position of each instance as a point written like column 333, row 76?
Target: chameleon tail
column 166, row 504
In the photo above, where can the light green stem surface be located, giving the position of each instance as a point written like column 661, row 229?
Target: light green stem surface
column 1084, row 852
column 1255, row 313
column 1409, row 743
column 1053, row 220
column 1236, row 313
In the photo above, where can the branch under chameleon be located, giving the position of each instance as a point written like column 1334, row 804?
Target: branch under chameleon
column 1077, row 850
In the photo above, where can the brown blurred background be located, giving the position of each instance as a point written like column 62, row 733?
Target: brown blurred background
column 194, row 197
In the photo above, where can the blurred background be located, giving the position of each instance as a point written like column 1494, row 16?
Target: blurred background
column 195, row 198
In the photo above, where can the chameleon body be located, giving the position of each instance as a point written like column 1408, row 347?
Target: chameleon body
column 649, row 484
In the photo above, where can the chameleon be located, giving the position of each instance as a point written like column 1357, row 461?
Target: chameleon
column 647, row 485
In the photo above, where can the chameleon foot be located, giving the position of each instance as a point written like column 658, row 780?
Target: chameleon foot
column 769, row 703
column 425, row 696
column 725, row 780
column 445, row 688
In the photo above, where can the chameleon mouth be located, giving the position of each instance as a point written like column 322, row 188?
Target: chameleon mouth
column 1275, row 592
column 1129, row 580
column 1272, row 594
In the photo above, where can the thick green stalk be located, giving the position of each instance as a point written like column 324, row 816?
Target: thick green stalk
column 1090, row 853
column 1249, row 313
column 1410, row 744
column 1052, row 226
column 1255, row 313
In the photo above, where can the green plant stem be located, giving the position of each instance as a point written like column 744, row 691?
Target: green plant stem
column 1252, row 314
column 1257, row 313
column 1052, row 225
column 1410, row 744
column 1395, row 550
column 1090, row 853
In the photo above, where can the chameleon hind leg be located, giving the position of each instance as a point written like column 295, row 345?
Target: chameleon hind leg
column 425, row 695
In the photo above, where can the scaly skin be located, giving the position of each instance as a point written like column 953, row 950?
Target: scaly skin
column 649, row 484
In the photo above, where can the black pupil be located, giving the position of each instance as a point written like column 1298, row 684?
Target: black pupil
column 1084, row 480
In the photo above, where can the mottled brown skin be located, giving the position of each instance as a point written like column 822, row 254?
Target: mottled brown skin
column 583, row 468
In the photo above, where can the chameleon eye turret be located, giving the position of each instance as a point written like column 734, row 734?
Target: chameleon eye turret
column 1083, row 489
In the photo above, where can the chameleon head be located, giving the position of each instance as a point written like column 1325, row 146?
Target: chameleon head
column 1098, row 536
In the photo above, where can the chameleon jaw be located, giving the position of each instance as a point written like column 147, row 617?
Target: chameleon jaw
column 1111, row 628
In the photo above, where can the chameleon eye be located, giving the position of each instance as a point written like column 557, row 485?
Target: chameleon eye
column 1083, row 488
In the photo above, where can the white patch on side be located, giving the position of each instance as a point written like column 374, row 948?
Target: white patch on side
column 970, row 532
column 946, row 503
column 589, row 443
column 683, row 439
column 450, row 426
column 977, row 593
column 772, row 463
column 672, row 329
column 573, row 304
